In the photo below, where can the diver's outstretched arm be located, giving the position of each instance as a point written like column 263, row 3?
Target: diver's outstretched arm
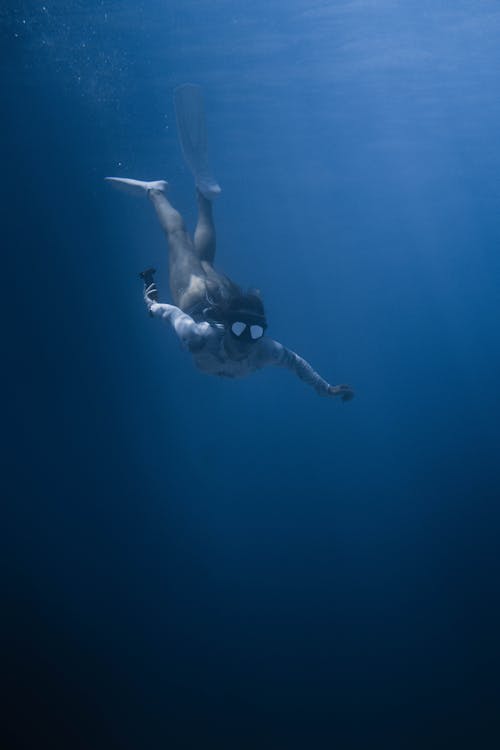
column 191, row 334
column 276, row 354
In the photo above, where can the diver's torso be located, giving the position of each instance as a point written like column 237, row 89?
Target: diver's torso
column 213, row 358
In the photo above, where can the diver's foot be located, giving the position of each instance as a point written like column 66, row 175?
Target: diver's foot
column 209, row 188
column 137, row 187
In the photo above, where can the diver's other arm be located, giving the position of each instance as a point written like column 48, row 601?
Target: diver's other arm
column 283, row 357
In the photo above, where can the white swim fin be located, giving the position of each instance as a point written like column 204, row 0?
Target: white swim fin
column 192, row 130
column 136, row 187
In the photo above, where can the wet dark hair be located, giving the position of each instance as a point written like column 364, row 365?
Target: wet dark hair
column 248, row 304
column 239, row 305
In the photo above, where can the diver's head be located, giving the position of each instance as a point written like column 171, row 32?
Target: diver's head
column 245, row 319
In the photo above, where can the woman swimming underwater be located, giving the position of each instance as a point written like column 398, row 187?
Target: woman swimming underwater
column 222, row 326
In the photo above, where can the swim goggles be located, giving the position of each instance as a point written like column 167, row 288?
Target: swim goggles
column 252, row 331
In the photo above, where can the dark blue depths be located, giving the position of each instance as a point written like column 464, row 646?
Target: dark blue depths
column 194, row 562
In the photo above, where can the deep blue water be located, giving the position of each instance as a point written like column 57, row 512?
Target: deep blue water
column 195, row 562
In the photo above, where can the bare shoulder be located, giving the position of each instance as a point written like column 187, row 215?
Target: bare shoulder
column 195, row 336
column 210, row 335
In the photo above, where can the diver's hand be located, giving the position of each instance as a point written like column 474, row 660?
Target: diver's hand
column 344, row 391
column 150, row 290
column 150, row 295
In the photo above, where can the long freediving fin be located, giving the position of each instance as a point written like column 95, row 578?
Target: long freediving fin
column 192, row 130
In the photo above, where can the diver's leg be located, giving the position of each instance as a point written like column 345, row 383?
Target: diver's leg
column 187, row 276
column 204, row 235
column 219, row 286
column 188, row 279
